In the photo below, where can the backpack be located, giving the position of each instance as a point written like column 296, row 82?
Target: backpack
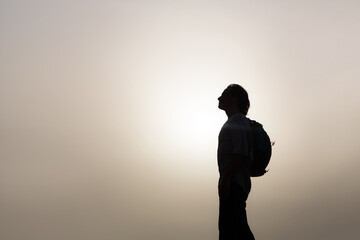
column 262, row 149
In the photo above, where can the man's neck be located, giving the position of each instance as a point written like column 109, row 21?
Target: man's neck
column 231, row 112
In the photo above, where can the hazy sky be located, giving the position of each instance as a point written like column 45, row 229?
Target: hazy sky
column 109, row 119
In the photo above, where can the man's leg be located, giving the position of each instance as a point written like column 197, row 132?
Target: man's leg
column 233, row 223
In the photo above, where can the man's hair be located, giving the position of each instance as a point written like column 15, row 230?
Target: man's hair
column 242, row 96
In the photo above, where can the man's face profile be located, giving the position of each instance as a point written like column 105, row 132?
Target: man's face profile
column 226, row 100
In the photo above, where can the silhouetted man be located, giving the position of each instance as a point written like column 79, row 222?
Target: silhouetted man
column 235, row 152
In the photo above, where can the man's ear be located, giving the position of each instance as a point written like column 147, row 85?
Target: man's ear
column 234, row 100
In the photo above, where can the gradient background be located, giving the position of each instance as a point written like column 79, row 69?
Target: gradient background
column 109, row 119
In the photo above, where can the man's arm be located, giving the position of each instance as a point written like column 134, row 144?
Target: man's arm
column 234, row 166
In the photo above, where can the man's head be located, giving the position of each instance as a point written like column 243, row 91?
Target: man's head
column 234, row 97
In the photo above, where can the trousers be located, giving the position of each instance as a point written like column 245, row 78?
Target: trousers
column 233, row 224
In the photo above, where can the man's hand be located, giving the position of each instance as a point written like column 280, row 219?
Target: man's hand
column 234, row 166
